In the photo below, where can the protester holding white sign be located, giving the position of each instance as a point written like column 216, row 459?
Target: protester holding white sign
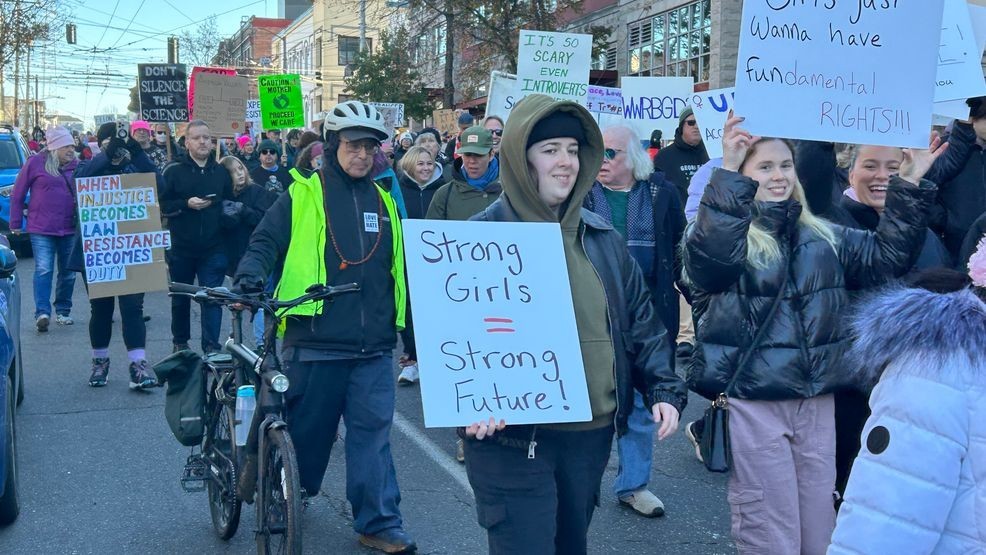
column 787, row 274
column 832, row 71
column 651, row 103
column 544, row 501
column 502, row 94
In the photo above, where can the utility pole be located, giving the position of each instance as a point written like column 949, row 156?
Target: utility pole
column 17, row 67
column 27, row 89
column 37, row 105
column 362, row 25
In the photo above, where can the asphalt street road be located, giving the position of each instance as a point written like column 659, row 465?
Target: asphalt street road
column 99, row 469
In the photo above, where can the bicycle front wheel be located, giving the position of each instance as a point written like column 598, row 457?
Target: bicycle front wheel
column 220, row 452
column 279, row 503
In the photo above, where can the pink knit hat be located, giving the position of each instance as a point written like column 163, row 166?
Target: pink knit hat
column 140, row 124
column 58, row 137
column 977, row 264
column 242, row 140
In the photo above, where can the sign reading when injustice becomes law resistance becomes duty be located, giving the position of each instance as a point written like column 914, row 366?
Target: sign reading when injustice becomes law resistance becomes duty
column 494, row 323
column 122, row 241
column 281, row 103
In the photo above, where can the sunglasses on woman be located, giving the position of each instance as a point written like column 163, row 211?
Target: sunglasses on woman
column 497, row 132
column 610, row 153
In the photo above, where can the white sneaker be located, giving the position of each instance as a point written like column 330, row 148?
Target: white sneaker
column 42, row 322
column 409, row 374
column 644, row 503
column 64, row 320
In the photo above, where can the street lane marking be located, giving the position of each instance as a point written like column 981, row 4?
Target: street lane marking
column 434, row 452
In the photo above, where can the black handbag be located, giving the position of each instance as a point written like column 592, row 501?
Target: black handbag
column 714, row 443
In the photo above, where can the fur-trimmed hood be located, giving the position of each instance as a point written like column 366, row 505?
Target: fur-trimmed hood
column 922, row 330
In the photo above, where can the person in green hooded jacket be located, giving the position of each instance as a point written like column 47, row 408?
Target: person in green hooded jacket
column 536, row 485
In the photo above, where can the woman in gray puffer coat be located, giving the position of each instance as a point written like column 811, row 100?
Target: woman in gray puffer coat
column 919, row 483
column 754, row 243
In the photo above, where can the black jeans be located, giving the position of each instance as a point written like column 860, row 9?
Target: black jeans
column 210, row 271
column 407, row 336
column 132, row 315
column 541, row 505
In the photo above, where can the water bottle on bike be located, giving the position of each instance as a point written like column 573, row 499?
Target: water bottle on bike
column 246, row 402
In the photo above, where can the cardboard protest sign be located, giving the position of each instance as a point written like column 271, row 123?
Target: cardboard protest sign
column 960, row 70
column 605, row 104
column 445, row 121
column 833, row 71
column 711, row 109
column 163, row 92
column 502, row 95
column 220, row 101
column 957, row 109
column 122, row 241
column 651, row 103
column 555, row 64
column 281, row 105
column 393, row 114
column 191, row 83
column 494, row 323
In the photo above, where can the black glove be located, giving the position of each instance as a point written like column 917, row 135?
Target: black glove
column 247, row 285
column 232, row 208
column 113, row 148
column 134, row 148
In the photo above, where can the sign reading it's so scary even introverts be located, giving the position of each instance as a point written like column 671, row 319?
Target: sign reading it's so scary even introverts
column 853, row 71
column 494, row 323
column 555, row 64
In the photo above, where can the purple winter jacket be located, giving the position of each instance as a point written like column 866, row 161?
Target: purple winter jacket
column 52, row 207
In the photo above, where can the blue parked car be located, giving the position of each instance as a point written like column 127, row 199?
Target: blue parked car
column 13, row 156
column 11, row 381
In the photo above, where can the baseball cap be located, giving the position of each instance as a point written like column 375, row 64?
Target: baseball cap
column 358, row 133
column 476, row 140
column 139, row 124
column 466, row 118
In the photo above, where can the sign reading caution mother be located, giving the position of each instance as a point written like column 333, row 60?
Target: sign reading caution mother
column 281, row 105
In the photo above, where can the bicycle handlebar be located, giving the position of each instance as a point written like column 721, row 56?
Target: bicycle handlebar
column 222, row 295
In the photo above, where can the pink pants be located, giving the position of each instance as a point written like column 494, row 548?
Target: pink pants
column 783, row 476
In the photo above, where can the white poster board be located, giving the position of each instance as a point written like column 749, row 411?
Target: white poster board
column 711, row 109
column 555, row 64
column 502, row 94
column 494, row 323
column 393, row 114
column 651, row 103
column 606, row 105
column 855, row 72
column 957, row 109
column 960, row 70
column 253, row 111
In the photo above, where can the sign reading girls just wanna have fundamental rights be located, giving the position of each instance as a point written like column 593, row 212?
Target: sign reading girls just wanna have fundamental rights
column 854, row 71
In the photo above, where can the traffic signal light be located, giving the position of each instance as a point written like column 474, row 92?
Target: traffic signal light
column 70, row 33
column 172, row 50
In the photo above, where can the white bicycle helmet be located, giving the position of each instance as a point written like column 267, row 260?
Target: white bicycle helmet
column 355, row 114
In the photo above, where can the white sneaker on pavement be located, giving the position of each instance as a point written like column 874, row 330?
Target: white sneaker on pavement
column 64, row 320
column 645, row 503
column 409, row 374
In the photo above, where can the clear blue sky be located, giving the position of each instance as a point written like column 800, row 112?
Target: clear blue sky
column 123, row 34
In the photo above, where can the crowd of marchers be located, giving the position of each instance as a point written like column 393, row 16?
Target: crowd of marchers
column 834, row 294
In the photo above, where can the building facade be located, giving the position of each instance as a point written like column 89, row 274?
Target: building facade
column 294, row 47
column 249, row 49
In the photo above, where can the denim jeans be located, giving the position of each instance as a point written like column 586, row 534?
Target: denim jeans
column 48, row 248
column 636, row 450
column 361, row 391
column 210, row 272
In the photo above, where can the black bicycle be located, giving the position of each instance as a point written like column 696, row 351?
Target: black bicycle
column 268, row 458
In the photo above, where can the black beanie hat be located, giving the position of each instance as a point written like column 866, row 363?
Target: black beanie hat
column 106, row 131
column 557, row 124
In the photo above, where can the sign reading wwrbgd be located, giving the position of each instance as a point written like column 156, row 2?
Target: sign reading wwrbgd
column 494, row 323
column 555, row 64
column 281, row 104
column 122, row 241
column 960, row 70
column 859, row 71
column 651, row 103
column 606, row 104
column 393, row 114
column 711, row 109
column 221, row 100
column 163, row 92
column 502, row 95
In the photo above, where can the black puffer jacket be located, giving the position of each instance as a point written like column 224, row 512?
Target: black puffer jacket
column 195, row 233
column 799, row 355
column 639, row 340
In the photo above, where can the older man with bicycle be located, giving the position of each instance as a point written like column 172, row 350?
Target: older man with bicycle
column 337, row 227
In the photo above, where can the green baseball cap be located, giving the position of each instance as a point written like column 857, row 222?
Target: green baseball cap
column 476, row 140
